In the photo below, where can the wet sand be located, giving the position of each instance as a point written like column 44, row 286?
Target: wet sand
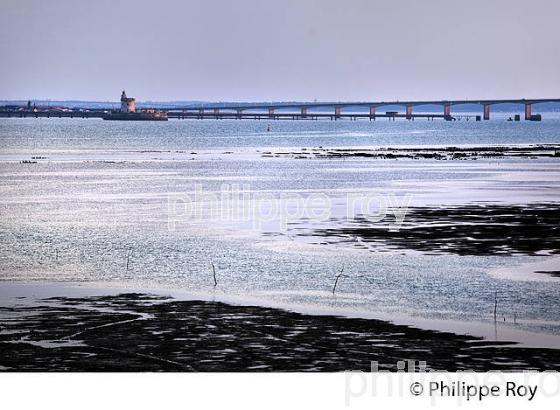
column 139, row 332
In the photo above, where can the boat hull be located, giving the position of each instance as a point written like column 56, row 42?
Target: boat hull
column 135, row 116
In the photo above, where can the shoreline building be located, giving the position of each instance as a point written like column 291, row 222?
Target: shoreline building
column 128, row 112
column 127, row 104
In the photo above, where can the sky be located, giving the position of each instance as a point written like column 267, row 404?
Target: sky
column 282, row 50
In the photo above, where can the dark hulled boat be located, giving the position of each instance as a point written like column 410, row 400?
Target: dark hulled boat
column 136, row 116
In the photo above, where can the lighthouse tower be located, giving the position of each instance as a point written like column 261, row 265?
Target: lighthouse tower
column 127, row 104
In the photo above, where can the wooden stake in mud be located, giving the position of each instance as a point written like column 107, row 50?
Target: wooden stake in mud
column 128, row 256
column 495, row 304
column 336, row 280
column 214, row 271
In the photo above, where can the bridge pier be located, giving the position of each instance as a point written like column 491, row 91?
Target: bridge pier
column 528, row 111
column 270, row 112
column 486, row 112
column 239, row 113
column 303, row 112
column 372, row 112
column 409, row 112
column 337, row 111
column 447, row 110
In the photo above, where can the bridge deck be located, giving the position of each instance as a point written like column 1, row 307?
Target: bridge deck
column 299, row 105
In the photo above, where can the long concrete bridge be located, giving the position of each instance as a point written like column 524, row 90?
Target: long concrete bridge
column 271, row 109
column 298, row 110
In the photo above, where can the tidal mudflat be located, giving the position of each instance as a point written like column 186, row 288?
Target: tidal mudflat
column 441, row 153
column 477, row 229
column 139, row 332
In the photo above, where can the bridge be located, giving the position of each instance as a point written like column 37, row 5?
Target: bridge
column 298, row 110
column 271, row 110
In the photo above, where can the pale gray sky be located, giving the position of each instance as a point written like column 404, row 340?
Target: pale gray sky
column 255, row 50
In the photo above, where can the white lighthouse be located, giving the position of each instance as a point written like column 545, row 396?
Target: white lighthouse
column 127, row 104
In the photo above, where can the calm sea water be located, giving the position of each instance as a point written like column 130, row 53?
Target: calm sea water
column 101, row 196
column 65, row 135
